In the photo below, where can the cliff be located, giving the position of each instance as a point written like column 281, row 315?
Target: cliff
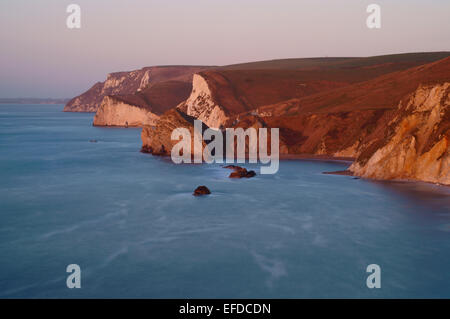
column 222, row 94
column 202, row 105
column 123, row 83
column 142, row 107
column 368, row 121
column 88, row 101
column 416, row 143
column 257, row 83
column 115, row 112
column 344, row 122
column 157, row 139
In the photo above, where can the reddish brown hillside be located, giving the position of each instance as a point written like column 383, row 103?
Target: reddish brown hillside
column 159, row 97
column 382, row 92
column 239, row 90
column 341, row 121
column 242, row 90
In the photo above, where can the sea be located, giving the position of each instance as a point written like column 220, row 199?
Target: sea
column 75, row 194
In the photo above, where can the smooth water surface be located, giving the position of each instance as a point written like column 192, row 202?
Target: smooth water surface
column 131, row 223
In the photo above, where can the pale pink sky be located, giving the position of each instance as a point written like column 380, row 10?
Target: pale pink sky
column 41, row 57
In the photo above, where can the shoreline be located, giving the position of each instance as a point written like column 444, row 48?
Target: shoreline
column 316, row 157
column 322, row 158
column 285, row 157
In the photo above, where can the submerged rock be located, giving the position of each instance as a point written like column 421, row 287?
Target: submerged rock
column 201, row 190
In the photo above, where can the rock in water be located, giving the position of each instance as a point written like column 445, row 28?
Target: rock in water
column 250, row 174
column 234, row 167
column 201, row 190
column 239, row 172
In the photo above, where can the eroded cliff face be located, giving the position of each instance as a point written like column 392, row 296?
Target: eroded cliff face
column 416, row 144
column 115, row 83
column 114, row 112
column 123, row 83
column 88, row 101
column 360, row 121
column 143, row 107
column 202, row 105
column 157, row 139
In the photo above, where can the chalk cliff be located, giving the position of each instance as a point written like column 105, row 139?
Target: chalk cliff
column 416, row 143
column 348, row 107
column 347, row 121
column 115, row 112
column 363, row 121
column 202, row 105
column 142, row 107
column 222, row 94
column 157, row 139
column 123, row 83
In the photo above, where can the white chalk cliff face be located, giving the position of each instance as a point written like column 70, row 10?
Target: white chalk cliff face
column 115, row 84
column 113, row 112
column 417, row 145
column 123, row 83
column 201, row 104
column 145, row 81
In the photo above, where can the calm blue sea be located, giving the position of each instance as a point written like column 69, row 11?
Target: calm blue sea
column 129, row 220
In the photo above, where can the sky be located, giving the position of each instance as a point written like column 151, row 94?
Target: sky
column 41, row 57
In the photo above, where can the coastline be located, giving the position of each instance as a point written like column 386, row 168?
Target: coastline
column 322, row 158
column 288, row 157
column 316, row 157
